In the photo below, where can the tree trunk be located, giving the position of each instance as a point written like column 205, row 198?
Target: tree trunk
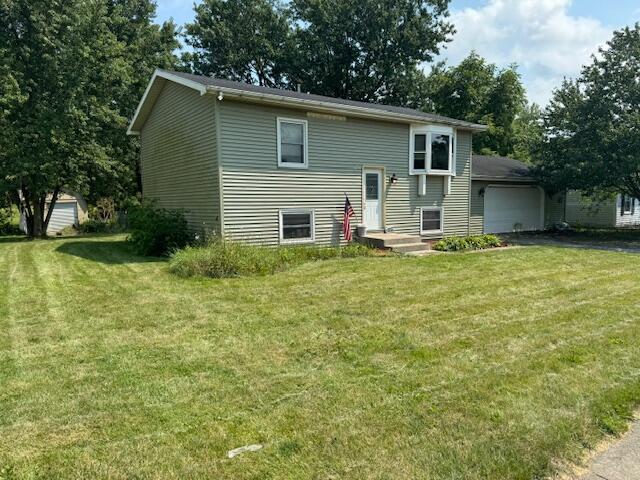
column 36, row 214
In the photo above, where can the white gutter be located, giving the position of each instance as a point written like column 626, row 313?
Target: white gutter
column 334, row 107
column 275, row 99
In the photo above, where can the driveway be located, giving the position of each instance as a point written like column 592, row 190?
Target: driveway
column 572, row 241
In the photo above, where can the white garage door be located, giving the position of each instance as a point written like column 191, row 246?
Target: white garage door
column 509, row 209
column 64, row 214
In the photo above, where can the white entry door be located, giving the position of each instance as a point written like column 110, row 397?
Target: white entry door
column 373, row 199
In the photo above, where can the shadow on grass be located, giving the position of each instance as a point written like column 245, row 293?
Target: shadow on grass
column 107, row 252
column 12, row 238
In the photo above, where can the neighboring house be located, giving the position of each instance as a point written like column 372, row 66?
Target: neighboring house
column 619, row 211
column 505, row 198
column 270, row 166
column 69, row 210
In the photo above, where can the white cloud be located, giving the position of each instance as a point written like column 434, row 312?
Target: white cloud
column 539, row 35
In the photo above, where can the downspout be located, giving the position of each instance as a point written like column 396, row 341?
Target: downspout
column 216, row 109
column 470, row 187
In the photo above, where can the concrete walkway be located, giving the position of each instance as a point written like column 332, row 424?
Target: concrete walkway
column 619, row 462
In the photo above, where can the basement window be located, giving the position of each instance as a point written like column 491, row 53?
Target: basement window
column 297, row 226
column 431, row 220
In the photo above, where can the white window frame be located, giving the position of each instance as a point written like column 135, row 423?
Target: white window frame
column 285, row 211
column 305, row 139
column 430, row 130
column 432, row 209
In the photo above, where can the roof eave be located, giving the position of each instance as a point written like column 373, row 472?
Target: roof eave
column 134, row 128
column 260, row 97
column 352, row 110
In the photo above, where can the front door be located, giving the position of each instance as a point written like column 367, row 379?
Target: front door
column 373, row 199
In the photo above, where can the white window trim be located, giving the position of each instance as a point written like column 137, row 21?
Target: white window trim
column 430, row 130
column 305, row 150
column 297, row 240
column 432, row 209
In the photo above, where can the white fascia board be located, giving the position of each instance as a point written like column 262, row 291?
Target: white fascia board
column 166, row 75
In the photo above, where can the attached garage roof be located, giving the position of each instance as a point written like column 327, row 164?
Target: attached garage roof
column 500, row 168
column 257, row 94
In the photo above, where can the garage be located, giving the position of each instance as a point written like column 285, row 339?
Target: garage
column 505, row 198
column 512, row 208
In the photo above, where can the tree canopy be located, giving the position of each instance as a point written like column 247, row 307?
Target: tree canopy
column 72, row 72
column 477, row 91
column 358, row 49
column 592, row 125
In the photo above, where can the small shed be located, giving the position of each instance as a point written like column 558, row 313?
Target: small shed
column 70, row 209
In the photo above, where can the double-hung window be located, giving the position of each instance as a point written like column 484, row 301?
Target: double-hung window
column 297, row 226
column 432, row 151
column 292, row 143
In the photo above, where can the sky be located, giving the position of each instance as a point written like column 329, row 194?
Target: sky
column 548, row 39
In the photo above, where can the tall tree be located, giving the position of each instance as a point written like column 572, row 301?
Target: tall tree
column 358, row 49
column 591, row 127
column 366, row 49
column 72, row 78
column 477, row 91
column 242, row 40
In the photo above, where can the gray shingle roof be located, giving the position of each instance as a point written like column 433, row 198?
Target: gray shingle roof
column 338, row 102
column 500, row 168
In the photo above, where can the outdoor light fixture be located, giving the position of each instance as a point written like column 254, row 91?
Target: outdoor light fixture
column 394, row 179
column 481, row 192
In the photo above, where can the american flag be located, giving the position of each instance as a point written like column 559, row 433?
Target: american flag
column 346, row 221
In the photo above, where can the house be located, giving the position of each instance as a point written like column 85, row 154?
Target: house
column 269, row 166
column 506, row 198
column 70, row 209
column 619, row 211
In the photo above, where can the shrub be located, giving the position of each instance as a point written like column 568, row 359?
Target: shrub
column 475, row 242
column 98, row 226
column 222, row 259
column 157, row 231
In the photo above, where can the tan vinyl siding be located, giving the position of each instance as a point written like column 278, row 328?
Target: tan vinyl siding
column 255, row 188
column 582, row 210
column 178, row 145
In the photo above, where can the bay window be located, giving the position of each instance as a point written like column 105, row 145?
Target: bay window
column 432, row 151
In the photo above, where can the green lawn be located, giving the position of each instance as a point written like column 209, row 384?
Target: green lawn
column 471, row 366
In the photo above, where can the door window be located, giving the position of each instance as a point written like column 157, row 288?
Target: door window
column 372, row 190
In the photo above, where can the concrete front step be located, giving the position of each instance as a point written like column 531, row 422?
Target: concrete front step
column 411, row 248
column 396, row 242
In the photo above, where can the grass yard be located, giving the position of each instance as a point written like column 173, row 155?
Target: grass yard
column 469, row 366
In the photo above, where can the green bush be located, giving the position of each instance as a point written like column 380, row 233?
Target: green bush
column 9, row 221
column 222, row 259
column 98, row 226
column 475, row 242
column 157, row 231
